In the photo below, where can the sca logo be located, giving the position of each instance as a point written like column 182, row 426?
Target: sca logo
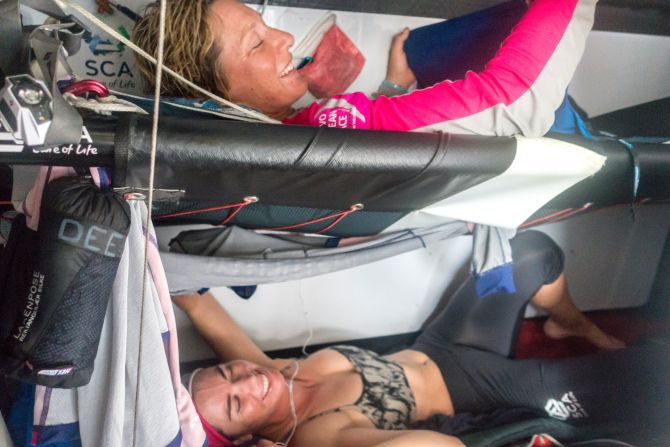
column 102, row 47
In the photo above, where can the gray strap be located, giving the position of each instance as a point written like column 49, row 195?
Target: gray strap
column 11, row 38
column 192, row 272
column 67, row 123
column 48, row 7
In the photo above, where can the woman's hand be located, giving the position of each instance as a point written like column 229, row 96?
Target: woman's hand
column 398, row 71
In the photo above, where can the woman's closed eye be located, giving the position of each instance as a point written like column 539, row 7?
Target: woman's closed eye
column 238, row 402
column 225, row 373
column 233, row 401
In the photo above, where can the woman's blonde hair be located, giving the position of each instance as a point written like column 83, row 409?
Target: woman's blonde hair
column 189, row 49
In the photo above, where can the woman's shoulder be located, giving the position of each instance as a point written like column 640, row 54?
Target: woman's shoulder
column 326, row 361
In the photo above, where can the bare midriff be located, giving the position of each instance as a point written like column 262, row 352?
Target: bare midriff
column 426, row 381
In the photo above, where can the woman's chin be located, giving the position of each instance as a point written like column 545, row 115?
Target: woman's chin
column 295, row 83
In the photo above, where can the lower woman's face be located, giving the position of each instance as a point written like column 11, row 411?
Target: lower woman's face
column 240, row 397
column 255, row 59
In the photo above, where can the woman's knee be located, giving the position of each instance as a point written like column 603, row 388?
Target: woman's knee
column 539, row 252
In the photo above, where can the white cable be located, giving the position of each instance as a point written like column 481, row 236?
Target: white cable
column 306, row 316
column 109, row 30
column 294, row 413
column 263, row 6
column 152, row 172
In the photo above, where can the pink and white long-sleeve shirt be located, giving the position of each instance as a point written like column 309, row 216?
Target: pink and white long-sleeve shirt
column 516, row 93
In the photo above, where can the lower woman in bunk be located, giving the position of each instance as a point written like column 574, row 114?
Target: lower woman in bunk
column 347, row 396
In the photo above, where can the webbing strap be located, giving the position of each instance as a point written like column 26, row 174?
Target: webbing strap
column 11, row 38
column 48, row 7
column 67, row 123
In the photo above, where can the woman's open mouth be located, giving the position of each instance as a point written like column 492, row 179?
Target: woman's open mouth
column 265, row 383
column 288, row 69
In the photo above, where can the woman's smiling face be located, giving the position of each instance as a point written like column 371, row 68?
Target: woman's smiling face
column 255, row 59
column 240, row 397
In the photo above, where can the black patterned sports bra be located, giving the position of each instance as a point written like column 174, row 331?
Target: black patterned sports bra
column 387, row 400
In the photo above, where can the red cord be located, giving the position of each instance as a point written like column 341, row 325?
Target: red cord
column 572, row 213
column 248, row 200
column 547, row 217
column 557, row 216
column 239, row 206
column 337, row 216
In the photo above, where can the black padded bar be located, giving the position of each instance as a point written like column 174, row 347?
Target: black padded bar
column 306, row 166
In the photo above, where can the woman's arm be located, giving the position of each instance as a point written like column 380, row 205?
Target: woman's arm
column 517, row 92
column 422, row 438
column 221, row 332
column 326, row 435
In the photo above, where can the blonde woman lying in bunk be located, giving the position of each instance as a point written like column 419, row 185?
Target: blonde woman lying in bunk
column 344, row 396
column 225, row 47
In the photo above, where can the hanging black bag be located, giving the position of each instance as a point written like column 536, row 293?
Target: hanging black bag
column 55, row 283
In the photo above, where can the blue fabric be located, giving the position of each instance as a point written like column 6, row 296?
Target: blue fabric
column 244, row 292
column 20, row 424
column 61, row 435
column 569, row 121
column 105, row 179
column 176, row 442
column 20, row 421
column 449, row 49
column 498, row 279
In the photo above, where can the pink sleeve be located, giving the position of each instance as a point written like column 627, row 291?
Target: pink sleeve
column 519, row 89
column 517, row 92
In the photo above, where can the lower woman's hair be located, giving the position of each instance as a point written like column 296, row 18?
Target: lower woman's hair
column 189, row 49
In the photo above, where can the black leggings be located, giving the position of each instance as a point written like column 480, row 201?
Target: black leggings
column 470, row 341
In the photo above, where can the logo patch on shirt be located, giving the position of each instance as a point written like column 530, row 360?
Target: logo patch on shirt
column 568, row 407
column 338, row 112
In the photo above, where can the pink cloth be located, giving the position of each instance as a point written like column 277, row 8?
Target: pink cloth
column 517, row 92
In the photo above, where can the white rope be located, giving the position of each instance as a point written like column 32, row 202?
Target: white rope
column 152, row 169
column 100, row 24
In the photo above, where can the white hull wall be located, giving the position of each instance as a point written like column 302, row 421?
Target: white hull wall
column 611, row 262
